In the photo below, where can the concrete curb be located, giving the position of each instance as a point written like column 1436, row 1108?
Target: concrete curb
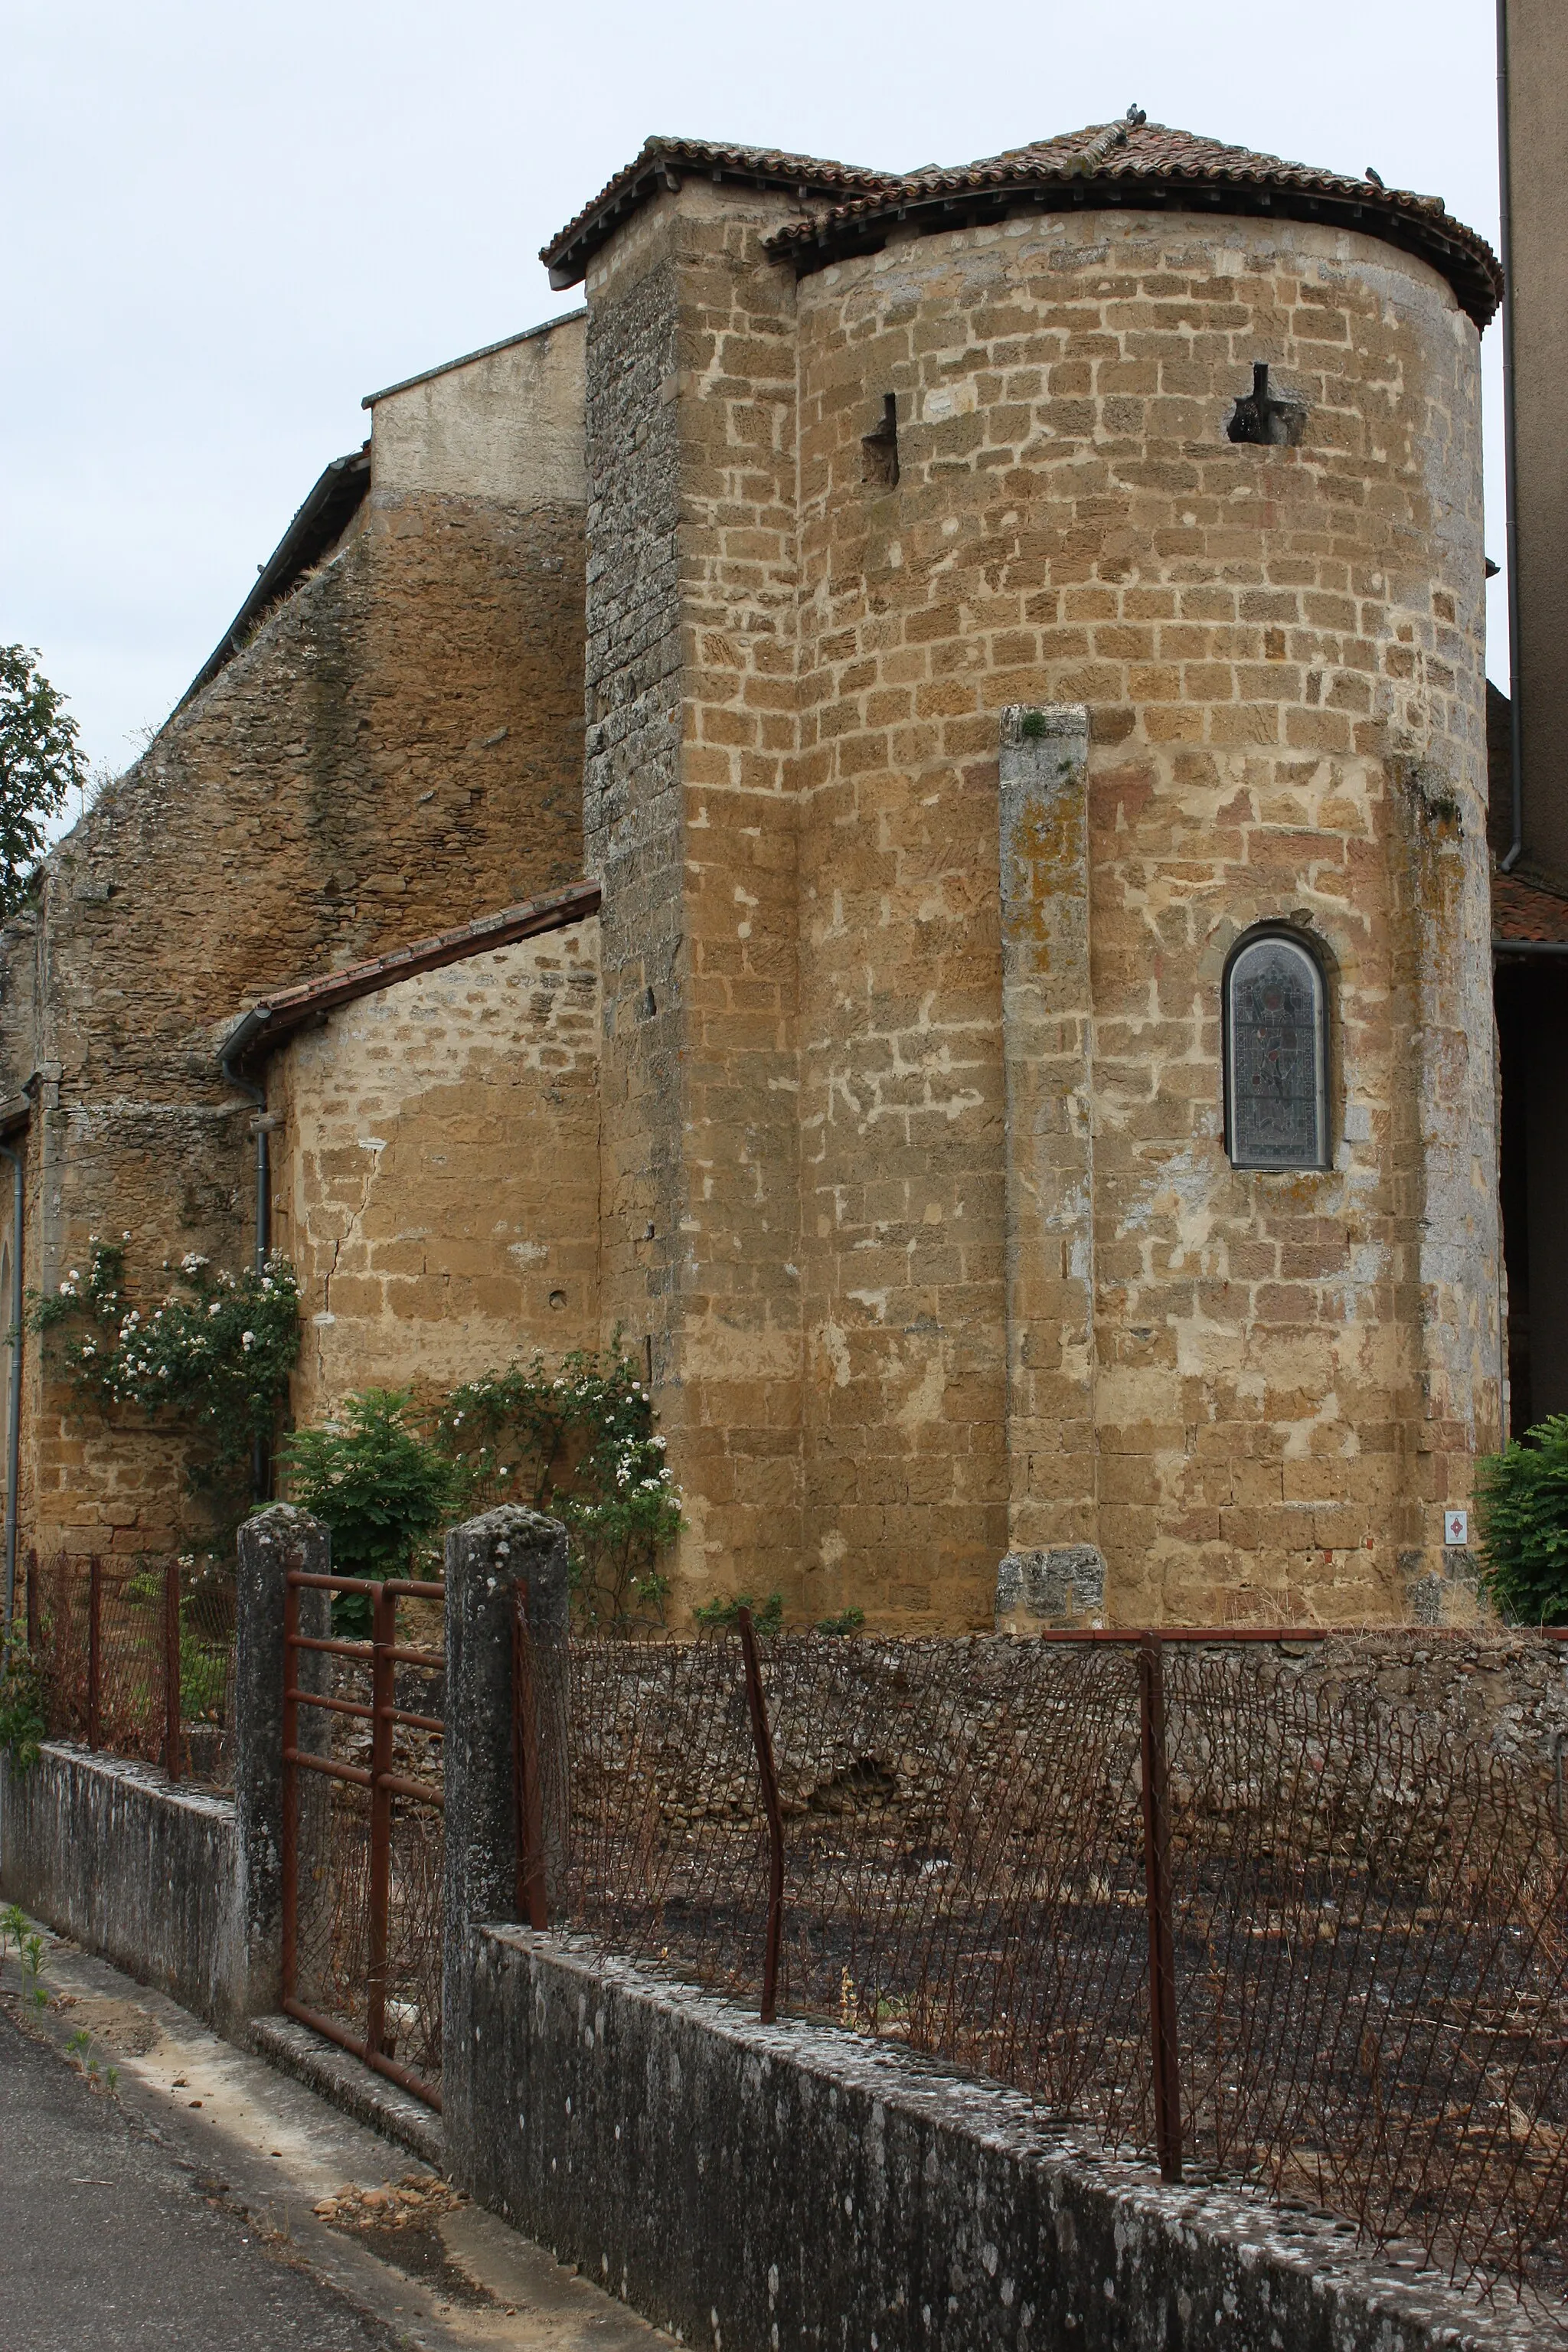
column 357, row 2089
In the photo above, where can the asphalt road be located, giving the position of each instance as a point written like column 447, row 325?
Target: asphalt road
column 110, row 2243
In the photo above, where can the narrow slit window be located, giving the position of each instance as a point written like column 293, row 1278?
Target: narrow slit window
column 880, row 448
column 1266, row 417
column 1276, row 1054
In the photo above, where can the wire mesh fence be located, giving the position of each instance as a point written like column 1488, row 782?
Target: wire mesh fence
column 1364, row 1920
column 363, row 1843
column 136, row 1657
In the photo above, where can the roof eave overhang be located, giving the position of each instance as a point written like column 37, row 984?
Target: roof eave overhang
column 328, row 508
column 1470, row 269
column 262, row 1027
column 663, row 172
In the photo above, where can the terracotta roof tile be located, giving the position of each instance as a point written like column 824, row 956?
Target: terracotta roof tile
column 568, row 253
column 1101, row 164
column 284, row 1009
column 1107, row 163
column 1523, row 910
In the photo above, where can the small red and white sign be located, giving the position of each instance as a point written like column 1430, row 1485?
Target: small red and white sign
column 1456, row 1527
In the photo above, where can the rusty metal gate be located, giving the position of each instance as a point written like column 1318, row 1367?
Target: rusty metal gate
column 362, row 1845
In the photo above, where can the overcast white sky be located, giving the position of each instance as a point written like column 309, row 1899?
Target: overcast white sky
column 228, row 223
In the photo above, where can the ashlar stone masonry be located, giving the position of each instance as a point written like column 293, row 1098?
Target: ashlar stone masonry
column 949, row 693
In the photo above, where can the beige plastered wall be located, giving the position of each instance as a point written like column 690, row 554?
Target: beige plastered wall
column 506, row 424
column 437, row 1176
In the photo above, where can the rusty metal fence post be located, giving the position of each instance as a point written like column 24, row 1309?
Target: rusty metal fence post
column 94, row 1645
column 532, row 1891
column 757, row 1702
column 1157, row 1898
column 34, row 1612
column 171, row 1758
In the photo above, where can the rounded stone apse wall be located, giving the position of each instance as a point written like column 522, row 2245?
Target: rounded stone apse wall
column 1218, row 482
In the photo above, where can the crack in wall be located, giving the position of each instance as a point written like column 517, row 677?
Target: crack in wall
column 375, row 1145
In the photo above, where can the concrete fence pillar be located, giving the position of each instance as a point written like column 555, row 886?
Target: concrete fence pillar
column 486, row 1560
column 270, row 1544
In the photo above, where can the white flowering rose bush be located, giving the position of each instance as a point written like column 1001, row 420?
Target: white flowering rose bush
column 579, row 1443
column 215, row 1357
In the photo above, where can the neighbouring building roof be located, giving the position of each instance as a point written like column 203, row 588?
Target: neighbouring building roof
column 1146, row 164
column 1524, row 912
column 263, row 1025
column 318, row 524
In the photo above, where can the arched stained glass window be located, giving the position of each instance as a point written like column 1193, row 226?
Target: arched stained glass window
column 1276, row 1054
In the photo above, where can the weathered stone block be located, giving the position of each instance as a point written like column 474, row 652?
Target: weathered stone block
column 1057, row 1587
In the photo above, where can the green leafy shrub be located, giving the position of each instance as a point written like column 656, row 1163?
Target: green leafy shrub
column 22, row 1723
column 767, row 1616
column 381, row 1485
column 203, row 1657
column 1521, row 1499
column 580, row 1444
column 204, row 1679
column 15, row 1928
column 216, row 1356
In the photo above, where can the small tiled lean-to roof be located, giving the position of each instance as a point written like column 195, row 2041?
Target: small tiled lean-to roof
column 1523, row 914
column 1152, row 167
column 664, row 163
column 286, row 1009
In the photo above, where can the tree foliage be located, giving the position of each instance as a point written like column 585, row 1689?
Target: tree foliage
column 40, row 764
column 1521, row 1498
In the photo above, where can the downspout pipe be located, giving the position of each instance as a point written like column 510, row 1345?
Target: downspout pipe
column 1511, row 454
column 14, row 1411
column 240, row 1036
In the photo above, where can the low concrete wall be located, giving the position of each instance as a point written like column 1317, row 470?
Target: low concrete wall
column 752, row 2187
column 144, row 1874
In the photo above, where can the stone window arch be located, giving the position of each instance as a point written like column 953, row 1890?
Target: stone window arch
column 1276, row 1039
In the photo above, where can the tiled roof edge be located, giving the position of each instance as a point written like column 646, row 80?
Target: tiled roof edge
column 263, row 1024
column 317, row 523
column 1527, row 914
column 1193, row 176
column 664, row 162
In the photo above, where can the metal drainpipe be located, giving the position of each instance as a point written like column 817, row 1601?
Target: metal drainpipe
column 1510, row 452
column 234, row 1045
column 14, row 1415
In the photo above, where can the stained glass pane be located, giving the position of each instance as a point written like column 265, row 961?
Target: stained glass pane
column 1276, row 1057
